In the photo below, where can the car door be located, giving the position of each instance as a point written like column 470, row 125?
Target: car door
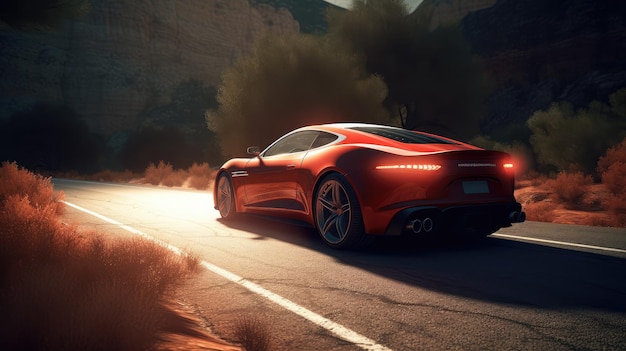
column 273, row 175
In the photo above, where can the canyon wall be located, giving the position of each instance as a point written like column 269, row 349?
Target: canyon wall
column 127, row 56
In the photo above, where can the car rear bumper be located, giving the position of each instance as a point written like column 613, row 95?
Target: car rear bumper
column 481, row 219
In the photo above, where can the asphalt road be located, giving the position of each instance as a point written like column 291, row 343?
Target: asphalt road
column 534, row 286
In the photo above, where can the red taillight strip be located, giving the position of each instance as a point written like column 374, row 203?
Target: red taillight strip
column 426, row 167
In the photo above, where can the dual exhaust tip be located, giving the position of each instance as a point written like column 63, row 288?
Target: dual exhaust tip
column 426, row 225
column 419, row 225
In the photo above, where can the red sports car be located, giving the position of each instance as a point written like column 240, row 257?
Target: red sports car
column 353, row 179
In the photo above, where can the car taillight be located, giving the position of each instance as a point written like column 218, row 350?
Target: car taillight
column 508, row 166
column 419, row 167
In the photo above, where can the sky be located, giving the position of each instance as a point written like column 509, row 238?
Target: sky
column 412, row 4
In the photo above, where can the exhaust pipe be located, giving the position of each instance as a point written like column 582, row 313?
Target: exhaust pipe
column 517, row 217
column 427, row 224
column 415, row 225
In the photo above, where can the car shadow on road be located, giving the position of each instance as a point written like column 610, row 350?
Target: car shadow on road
column 490, row 269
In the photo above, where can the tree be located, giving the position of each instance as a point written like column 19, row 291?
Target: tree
column 289, row 81
column 433, row 81
column 40, row 14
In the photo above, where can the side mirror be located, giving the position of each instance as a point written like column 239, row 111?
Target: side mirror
column 254, row 150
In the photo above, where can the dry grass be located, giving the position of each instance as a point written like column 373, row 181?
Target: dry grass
column 569, row 188
column 540, row 211
column 616, row 205
column 37, row 189
column 164, row 174
column 252, row 333
column 61, row 289
column 587, row 203
column 198, row 176
column 201, row 176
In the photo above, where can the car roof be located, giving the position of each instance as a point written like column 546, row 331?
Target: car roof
column 377, row 134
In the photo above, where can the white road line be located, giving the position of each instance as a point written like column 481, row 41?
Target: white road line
column 342, row 332
column 601, row 248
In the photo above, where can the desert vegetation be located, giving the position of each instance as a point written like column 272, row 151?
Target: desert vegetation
column 61, row 289
column 198, row 176
column 252, row 333
column 578, row 198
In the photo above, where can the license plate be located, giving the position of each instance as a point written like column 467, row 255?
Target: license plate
column 475, row 187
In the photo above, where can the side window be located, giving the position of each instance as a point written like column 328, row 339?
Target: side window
column 323, row 139
column 292, row 143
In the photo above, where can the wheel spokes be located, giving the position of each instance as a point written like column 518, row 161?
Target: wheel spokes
column 225, row 197
column 328, row 223
column 333, row 211
column 328, row 205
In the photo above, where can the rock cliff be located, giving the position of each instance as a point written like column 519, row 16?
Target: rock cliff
column 128, row 55
column 539, row 52
column 447, row 12
column 311, row 14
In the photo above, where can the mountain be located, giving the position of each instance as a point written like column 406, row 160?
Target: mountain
column 311, row 14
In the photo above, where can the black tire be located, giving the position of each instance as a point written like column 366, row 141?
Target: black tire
column 337, row 213
column 225, row 197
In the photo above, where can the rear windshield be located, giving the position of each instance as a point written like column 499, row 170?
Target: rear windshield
column 403, row 136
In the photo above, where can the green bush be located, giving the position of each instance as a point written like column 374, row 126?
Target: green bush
column 567, row 139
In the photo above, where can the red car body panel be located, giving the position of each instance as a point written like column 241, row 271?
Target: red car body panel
column 393, row 180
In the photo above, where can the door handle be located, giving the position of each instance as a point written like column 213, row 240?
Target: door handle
column 291, row 166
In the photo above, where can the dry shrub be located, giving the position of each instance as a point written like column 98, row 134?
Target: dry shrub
column 65, row 290
column 570, row 187
column 178, row 178
column 140, row 262
column 540, row 211
column 164, row 174
column 37, row 189
column 30, row 234
column 612, row 167
column 616, row 205
column 200, row 176
column 252, row 333
column 155, row 174
column 613, row 155
column 614, row 178
column 98, row 295
column 49, row 308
